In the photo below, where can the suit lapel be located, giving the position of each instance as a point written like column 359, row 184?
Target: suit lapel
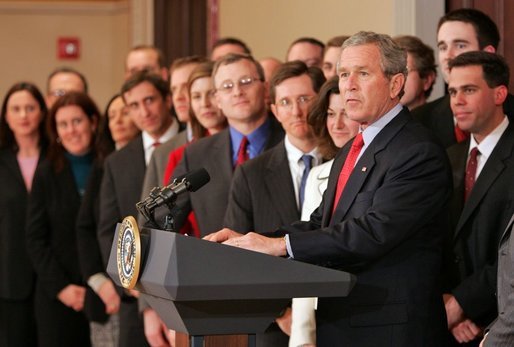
column 221, row 153
column 492, row 169
column 12, row 164
column 362, row 169
column 278, row 183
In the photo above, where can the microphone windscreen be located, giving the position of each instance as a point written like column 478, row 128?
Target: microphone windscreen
column 197, row 179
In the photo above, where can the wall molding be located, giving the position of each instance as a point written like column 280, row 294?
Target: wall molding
column 63, row 8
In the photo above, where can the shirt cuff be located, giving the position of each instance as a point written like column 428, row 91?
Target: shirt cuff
column 96, row 281
column 288, row 247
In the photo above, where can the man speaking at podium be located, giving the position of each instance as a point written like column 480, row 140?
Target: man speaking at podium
column 381, row 216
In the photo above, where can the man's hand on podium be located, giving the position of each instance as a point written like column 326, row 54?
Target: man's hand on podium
column 251, row 241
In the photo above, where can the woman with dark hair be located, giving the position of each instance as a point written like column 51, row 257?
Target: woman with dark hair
column 59, row 185
column 116, row 130
column 333, row 129
column 22, row 147
column 206, row 119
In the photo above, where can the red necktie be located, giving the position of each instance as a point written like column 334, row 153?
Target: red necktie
column 156, row 144
column 348, row 166
column 471, row 171
column 242, row 153
column 460, row 134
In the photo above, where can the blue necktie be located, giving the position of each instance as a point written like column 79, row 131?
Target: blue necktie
column 307, row 162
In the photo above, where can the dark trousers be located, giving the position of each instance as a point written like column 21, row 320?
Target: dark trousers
column 17, row 323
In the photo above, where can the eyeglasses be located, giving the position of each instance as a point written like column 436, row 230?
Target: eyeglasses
column 301, row 101
column 244, row 83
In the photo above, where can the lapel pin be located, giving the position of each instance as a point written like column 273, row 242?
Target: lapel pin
column 364, row 169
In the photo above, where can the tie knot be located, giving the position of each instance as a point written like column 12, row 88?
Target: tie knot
column 474, row 152
column 358, row 142
column 156, row 144
column 307, row 160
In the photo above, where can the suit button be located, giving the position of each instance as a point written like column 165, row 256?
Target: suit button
column 503, row 253
column 457, row 259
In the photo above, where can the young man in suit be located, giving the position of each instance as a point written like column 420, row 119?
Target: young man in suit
column 501, row 333
column 240, row 93
column 384, row 224
column 483, row 191
column 180, row 71
column 458, row 31
column 148, row 98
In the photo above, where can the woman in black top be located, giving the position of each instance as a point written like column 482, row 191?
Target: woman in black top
column 22, row 145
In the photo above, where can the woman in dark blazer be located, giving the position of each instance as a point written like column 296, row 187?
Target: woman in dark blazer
column 55, row 199
column 102, row 300
column 22, row 144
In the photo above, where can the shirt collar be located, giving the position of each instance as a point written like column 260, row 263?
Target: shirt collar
column 148, row 140
column 294, row 154
column 256, row 140
column 487, row 145
column 374, row 128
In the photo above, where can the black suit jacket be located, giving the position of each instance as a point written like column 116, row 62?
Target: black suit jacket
column 501, row 333
column 120, row 190
column 16, row 273
column 386, row 229
column 262, row 196
column 213, row 153
column 89, row 254
column 51, row 237
column 477, row 225
column 437, row 116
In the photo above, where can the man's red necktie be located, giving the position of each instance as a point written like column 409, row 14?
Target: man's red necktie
column 471, row 171
column 242, row 153
column 348, row 166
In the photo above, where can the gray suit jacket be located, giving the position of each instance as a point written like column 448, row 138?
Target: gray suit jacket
column 155, row 169
column 262, row 196
column 502, row 332
column 215, row 155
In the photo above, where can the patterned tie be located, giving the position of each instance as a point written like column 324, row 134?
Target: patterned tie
column 349, row 163
column 471, row 171
column 460, row 134
column 242, row 152
column 307, row 162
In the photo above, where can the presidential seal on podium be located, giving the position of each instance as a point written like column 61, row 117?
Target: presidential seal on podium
column 129, row 252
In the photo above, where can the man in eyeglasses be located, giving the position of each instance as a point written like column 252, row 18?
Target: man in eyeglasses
column 267, row 192
column 62, row 80
column 240, row 93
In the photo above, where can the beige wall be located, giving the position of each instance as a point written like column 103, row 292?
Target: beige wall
column 269, row 26
column 29, row 32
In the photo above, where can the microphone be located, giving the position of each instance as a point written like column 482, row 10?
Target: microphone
column 192, row 181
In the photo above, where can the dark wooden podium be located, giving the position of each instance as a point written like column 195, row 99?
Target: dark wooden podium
column 202, row 288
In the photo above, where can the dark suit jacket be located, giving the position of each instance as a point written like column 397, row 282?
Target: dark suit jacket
column 215, row 155
column 477, row 226
column 16, row 273
column 437, row 115
column 124, row 171
column 89, row 254
column 51, row 238
column 386, row 229
column 262, row 196
column 501, row 333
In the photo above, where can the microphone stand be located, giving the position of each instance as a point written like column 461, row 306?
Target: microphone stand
column 147, row 207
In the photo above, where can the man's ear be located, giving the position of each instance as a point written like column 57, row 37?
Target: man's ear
column 500, row 94
column 396, row 84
